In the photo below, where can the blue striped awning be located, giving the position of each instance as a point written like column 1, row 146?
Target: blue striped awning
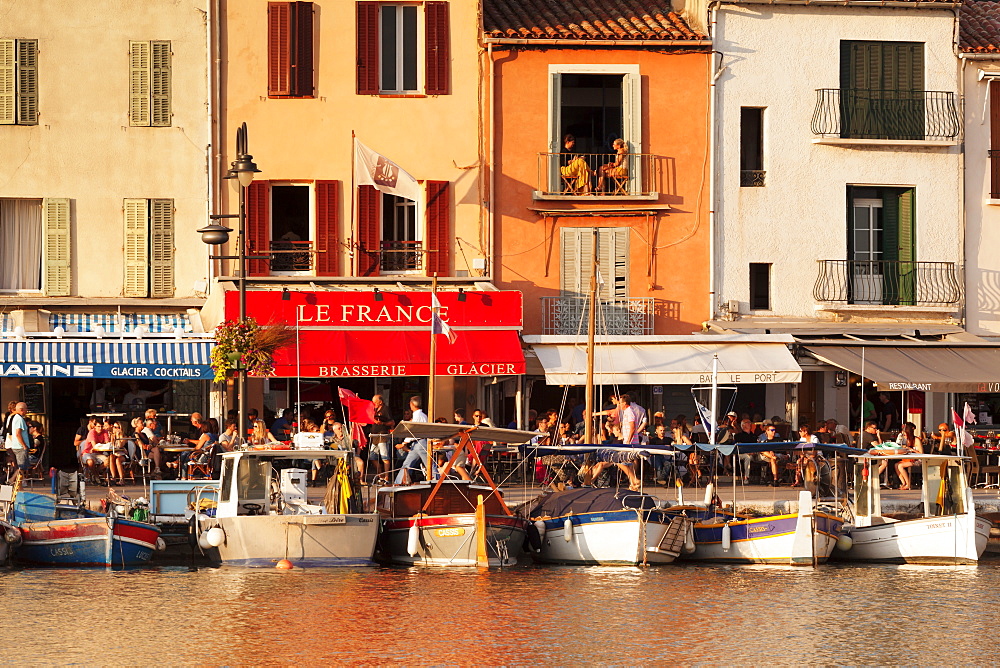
column 120, row 322
column 164, row 360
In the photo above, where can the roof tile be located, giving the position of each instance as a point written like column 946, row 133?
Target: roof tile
column 979, row 26
column 585, row 19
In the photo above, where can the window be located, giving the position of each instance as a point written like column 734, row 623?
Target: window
column 389, row 48
column 149, row 248
column 293, row 228
column 149, row 84
column 994, row 152
column 751, row 146
column 20, row 244
column 392, row 238
column 18, row 82
column 760, row 286
column 290, row 49
column 612, row 260
column 882, row 90
column 881, row 245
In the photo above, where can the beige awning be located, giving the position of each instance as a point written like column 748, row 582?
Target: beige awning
column 922, row 367
column 669, row 363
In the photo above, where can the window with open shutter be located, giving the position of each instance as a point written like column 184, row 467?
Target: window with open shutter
column 138, row 87
column 56, row 247
column 994, row 153
column 612, row 260
column 367, row 48
column 327, row 228
column 290, row 49
column 159, row 84
column 18, row 81
column 136, row 282
column 882, row 90
column 438, row 228
column 161, row 248
column 437, row 48
column 258, row 241
column 369, row 236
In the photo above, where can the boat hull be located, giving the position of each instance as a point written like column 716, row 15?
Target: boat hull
column 775, row 539
column 450, row 540
column 955, row 539
column 306, row 541
column 618, row 537
column 88, row 541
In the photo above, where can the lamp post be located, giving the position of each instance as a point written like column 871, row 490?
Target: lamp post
column 241, row 172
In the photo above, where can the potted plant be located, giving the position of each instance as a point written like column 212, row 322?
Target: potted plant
column 248, row 345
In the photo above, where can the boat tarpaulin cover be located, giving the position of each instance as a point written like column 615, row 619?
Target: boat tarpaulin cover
column 587, row 500
column 925, row 368
column 669, row 363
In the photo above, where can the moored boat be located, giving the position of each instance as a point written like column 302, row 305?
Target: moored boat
column 264, row 515
column 942, row 529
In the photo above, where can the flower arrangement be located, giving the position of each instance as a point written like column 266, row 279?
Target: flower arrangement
column 248, row 345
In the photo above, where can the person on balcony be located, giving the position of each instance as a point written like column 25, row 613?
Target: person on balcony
column 614, row 170
column 575, row 171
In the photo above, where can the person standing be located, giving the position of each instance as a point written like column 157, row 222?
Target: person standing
column 20, row 435
column 415, row 449
column 378, row 449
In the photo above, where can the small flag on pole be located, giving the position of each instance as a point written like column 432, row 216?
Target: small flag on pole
column 439, row 326
column 970, row 418
column 378, row 171
column 359, row 411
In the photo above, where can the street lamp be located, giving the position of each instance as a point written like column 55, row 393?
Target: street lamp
column 241, row 173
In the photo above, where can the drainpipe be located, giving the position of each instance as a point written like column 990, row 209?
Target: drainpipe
column 712, row 94
column 491, row 212
column 212, row 79
column 963, row 310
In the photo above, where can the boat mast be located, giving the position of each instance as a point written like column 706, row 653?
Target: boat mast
column 714, row 415
column 433, row 370
column 588, row 436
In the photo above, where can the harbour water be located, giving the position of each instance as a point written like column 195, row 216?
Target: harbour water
column 680, row 614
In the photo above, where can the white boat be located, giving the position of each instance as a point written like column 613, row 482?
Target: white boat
column 264, row 515
column 607, row 526
column 942, row 529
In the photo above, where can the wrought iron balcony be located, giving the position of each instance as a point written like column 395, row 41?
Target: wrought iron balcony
column 752, row 178
column 888, row 283
column 596, row 174
column 852, row 113
column 291, row 255
column 401, row 256
column 994, row 156
column 569, row 315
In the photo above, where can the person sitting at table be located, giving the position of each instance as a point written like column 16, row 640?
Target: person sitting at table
column 90, row 457
column 261, row 435
column 944, row 440
column 151, row 415
column 195, row 434
column 574, row 170
column 117, row 455
column 203, row 448
column 617, row 169
column 908, row 442
column 230, row 435
column 152, row 437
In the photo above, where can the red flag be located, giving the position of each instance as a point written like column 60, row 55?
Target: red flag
column 358, row 434
column 359, row 411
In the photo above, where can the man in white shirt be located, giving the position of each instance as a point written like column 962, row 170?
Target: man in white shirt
column 417, row 448
column 20, row 437
column 629, row 420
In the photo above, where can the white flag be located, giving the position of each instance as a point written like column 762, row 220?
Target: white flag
column 439, row 326
column 378, row 171
column 969, row 418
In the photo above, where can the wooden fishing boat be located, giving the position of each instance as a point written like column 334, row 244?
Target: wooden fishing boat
column 264, row 515
column 942, row 529
column 66, row 535
column 451, row 522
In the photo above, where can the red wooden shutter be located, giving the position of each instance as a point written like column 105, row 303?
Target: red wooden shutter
column 994, row 153
column 369, row 231
column 367, row 48
column 436, row 44
column 438, row 228
column 259, row 227
column 302, row 68
column 279, row 61
column 327, row 228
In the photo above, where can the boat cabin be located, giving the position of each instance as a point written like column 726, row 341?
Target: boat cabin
column 945, row 489
column 454, row 496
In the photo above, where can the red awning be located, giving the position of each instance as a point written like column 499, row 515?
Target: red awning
column 328, row 354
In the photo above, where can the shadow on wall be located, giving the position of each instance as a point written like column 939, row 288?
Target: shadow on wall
column 987, row 299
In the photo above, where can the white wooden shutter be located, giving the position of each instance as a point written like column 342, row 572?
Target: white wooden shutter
column 160, row 84
column 161, row 248
column 8, row 82
column 632, row 128
column 616, row 280
column 56, row 247
column 27, row 81
column 136, row 243
column 572, row 261
column 138, row 86
column 556, row 131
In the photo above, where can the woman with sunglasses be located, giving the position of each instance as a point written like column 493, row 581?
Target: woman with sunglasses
column 770, row 435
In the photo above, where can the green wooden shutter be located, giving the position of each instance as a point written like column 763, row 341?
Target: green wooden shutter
column 138, row 88
column 159, row 84
column 906, row 247
column 8, row 82
column 136, row 245
column 161, row 248
column 56, row 247
column 27, row 81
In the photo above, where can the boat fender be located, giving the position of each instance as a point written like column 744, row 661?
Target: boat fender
column 203, row 541
column 845, row 543
column 532, row 538
column 216, row 536
column 709, row 493
column 727, row 537
column 540, row 527
column 689, row 544
column 680, row 492
column 413, row 539
column 161, row 544
column 567, row 529
column 284, row 565
column 12, row 535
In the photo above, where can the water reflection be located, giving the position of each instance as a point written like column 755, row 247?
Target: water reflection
column 681, row 614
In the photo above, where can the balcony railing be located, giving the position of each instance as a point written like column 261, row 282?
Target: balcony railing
column 595, row 174
column 291, row 256
column 402, row 256
column 569, row 315
column 752, row 178
column 851, row 113
column 994, row 156
column 887, row 282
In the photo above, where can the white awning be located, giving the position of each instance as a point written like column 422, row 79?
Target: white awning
column 670, row 363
